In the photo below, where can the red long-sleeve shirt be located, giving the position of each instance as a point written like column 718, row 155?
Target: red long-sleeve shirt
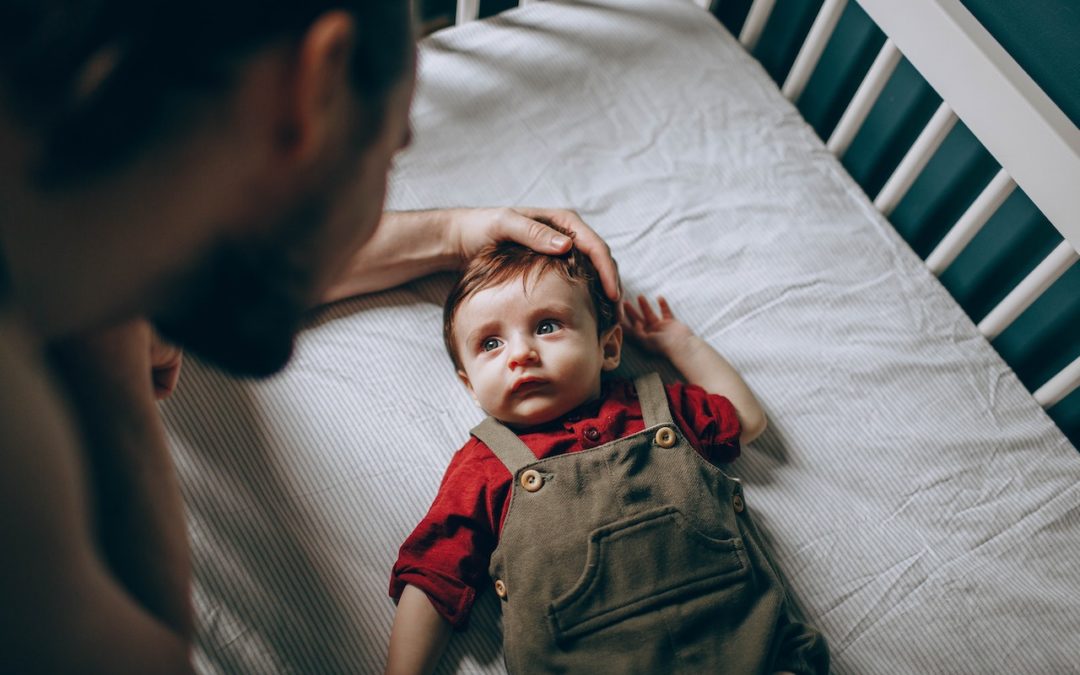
column 447, row 555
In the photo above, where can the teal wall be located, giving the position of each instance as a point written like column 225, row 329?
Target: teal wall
column 1042, row 38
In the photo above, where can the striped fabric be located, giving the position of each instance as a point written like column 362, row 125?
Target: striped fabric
column 925, row 509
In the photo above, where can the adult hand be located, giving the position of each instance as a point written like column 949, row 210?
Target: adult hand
column 127, row 352
column 118, row 358
column 111, row 376
column 165, row 361
column 408, row 245
column 476, row 228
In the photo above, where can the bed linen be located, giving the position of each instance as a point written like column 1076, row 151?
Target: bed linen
column 925, row 509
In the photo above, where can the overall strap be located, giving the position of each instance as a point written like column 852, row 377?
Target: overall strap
column 505, row 444
column 653, row 399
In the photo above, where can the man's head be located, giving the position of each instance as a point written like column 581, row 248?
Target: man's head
column 212, row 165
column 529, row 334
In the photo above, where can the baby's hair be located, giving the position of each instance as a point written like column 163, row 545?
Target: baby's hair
column 498, row 263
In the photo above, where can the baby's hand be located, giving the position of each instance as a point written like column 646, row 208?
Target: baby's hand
column 662, row 334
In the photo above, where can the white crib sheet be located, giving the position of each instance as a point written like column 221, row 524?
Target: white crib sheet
column 925, row 508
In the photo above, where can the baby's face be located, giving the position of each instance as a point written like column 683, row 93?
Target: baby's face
column 532, row 354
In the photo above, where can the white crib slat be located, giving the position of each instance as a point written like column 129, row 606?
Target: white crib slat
column 811, row 49
column 467, row 10
column 969, row 224
column 864, row 98
column 915, row 160
column 755, row 23
column 1060, row 385
column 1028, row 290
column 1025, row 131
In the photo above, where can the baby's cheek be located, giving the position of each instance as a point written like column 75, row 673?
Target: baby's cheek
column 493, row 399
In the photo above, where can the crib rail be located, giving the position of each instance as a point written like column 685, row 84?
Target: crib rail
column 865, row 97
column 812, row 47
column 755, row 23
column 469, row 10
column 977, row 78
column 982, row 86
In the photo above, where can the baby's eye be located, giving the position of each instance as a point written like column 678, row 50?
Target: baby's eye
column 547, row 326
column 490, row 343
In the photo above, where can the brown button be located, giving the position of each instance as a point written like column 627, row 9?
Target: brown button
column 531, row 480
column 738, row 503
column 500, row 588
column 665, row 437
column 592, row 434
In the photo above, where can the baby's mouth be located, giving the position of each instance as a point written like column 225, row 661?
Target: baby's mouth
column 527, row 384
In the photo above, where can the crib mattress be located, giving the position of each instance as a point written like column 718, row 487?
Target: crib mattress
column 925, row 509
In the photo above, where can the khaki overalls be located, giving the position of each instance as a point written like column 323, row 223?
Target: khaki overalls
column 636, row 556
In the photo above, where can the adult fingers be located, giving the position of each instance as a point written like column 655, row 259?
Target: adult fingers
column 529, row 231
column 166, row 360
column 165, row 380
column 592, row 245
column 588, row 242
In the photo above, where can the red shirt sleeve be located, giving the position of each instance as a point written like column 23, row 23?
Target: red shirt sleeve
column 448, row 553
column 708, row 420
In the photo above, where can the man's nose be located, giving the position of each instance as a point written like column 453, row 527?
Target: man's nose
column 522, row 353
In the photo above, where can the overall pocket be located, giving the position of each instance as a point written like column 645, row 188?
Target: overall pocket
column 642, row 563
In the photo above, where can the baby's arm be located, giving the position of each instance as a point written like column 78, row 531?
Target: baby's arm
column 418, row 637
column 698, row 362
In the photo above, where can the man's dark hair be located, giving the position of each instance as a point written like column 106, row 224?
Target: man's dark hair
column 96, row 79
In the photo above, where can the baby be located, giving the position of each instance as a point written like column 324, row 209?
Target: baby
column 594, row 508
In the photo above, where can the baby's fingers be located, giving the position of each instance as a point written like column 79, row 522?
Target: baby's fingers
column 665, row 310
column 647, row 311
column 630, row 315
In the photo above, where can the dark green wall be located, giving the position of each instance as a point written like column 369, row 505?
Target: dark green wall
column 1041, row 36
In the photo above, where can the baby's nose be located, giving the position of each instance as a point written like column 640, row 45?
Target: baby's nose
column 522, row 353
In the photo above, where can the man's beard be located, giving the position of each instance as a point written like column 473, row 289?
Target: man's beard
column 243, row 306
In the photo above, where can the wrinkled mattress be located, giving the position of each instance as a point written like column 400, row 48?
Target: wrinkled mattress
column 925, row 509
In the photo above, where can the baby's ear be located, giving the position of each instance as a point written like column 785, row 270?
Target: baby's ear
column 464, row 377
column 611, row 344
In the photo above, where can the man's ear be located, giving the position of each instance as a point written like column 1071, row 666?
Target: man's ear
column 320, row 88
column 611, row 344
column 463, row 376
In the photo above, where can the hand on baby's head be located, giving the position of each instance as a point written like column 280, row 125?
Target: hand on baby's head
column 530, row 334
